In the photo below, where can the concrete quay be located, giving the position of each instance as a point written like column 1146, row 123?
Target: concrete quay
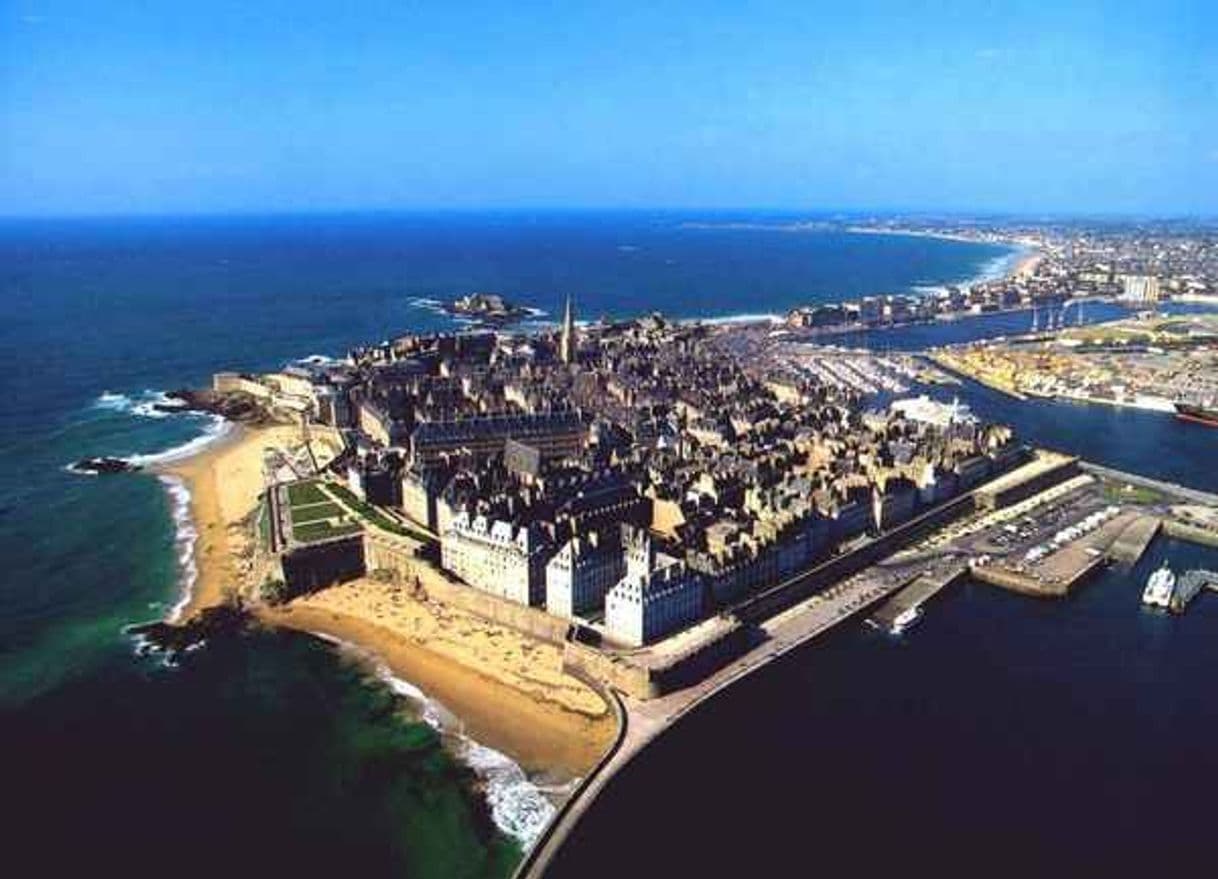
column 1131, row 544
column 917, row 593
column 1170, row 489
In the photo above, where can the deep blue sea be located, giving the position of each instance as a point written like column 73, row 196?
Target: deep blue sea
column 272, row 750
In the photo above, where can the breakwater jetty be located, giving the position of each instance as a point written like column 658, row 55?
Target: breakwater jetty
column 1170, row 489
column 911, row 598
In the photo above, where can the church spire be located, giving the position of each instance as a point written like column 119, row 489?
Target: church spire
column 566, row 345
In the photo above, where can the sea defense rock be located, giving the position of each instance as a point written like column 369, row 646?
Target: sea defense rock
column 233, row 406
column 104, row 464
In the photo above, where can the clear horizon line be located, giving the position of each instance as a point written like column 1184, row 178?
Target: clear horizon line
column 821, row 213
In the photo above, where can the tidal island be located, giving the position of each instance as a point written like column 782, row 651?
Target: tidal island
column 573, row 536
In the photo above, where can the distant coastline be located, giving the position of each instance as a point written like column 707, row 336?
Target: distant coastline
column 1023, row 258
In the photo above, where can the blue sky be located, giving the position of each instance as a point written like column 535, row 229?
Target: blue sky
column 125, row 107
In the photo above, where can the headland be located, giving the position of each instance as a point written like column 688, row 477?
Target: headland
column 559, row 532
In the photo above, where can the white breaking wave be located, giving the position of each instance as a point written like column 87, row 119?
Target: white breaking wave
column 519, row 807
column 185, row 533
column 217, row 429
column 740, row 319
column 998, row 267
column 118, row 402
column 319, row 360
column 184, row 539
column 991, row 270
column 428, row 304
column 144, row 404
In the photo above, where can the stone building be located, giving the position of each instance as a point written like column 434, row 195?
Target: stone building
column 579, row 574
column 553, row 434
column 496, row 557
column 658, row 595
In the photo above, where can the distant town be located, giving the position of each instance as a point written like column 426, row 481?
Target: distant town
column 1062, row 265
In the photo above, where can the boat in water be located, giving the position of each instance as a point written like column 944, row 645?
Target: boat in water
column 1160, row 587
column 1200, row 413
column 905, row 619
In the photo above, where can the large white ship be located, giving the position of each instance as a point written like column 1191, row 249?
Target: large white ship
column 1159, row 587
column 905, row 619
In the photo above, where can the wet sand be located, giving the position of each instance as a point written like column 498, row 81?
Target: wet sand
column 541, row 734
column 225, row 482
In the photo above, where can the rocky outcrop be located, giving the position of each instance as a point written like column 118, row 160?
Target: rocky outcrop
column 104, row 464
column 209, row 623
column 488, row 308
column 232, row 405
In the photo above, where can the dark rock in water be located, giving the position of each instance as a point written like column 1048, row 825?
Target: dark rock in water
column 487, row 308
column 208, row 624
column 234, row 406
column 104, row 464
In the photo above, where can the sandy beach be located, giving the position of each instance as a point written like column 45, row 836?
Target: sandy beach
column 508, row 690
column 1026, row 267
column 225, row 481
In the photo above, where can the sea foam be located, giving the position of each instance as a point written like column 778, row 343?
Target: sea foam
column 519, row 807
column 146, row 404
column 184, row 539
column 217, row 429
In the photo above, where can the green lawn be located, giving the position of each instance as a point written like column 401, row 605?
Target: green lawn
column 322, row 530
column 305, row 493
column 312, row 512
column 264, row 522
column 373, row 515
column 1132, row 494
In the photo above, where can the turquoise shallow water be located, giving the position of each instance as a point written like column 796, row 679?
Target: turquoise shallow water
column 270, row 750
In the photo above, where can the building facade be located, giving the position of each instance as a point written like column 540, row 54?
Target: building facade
column 658, row 595
column 581, row 573
column 496, row 557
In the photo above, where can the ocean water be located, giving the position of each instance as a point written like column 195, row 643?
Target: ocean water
column 272, row 750
column 1000, row 736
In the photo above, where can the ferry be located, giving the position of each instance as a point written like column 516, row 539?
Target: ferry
column 905, row 619
column 1159, row 588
